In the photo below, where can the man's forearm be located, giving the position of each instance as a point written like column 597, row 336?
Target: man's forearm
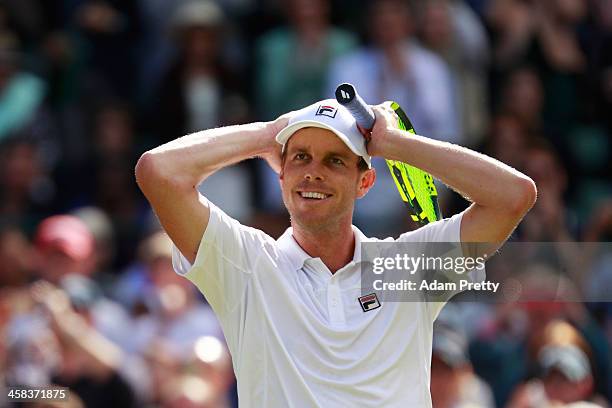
column 169, row 175
column 481, row 179
column 102, row 356
column 194, row 157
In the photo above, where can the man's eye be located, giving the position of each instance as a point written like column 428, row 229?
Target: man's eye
column 336, row 160
column 300, row 156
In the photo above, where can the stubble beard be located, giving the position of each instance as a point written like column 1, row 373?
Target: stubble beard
column 325, row 224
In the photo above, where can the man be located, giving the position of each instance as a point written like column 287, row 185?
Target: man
column 289, row 308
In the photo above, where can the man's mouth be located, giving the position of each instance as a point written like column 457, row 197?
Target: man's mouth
column 313, row 195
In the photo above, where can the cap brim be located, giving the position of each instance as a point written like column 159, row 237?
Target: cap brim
column 283, row 136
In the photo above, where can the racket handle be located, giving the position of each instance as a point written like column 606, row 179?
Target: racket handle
column 347, row 96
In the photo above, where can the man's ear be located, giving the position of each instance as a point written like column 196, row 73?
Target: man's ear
column 366, row 182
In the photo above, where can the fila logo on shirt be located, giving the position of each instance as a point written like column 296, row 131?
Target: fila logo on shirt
column 369, row 302
column 326, row 110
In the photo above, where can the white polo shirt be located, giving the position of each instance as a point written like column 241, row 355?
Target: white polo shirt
column 298, row 335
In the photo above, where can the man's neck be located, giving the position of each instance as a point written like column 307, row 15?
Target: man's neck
column 335, row 245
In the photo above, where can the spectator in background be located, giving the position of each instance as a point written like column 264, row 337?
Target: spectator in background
column 453, row 383
column 26, row 190
column 199, row 91
column 88, row 363
column 172, row 329
column 512, row 24
column 395, row 67
column 507, row 140
column 112, row 140
column 64, row 246
column 550, row 219
column 175, row 314
column 523, row 97
column 599, row 58
column 114, row 153
column 204, row 378
column 16, row 268
column 101, row 227
column 212, row 362
column 32, row 348
column 559, row 57
column 165, row 368
column 564, row 371
column 21, row 93
column 544, row 34
column 505, row 351
column 111, row 29
column 292, row 62
column 102, row 178
column 28, row 18
column 156, row 48
column 597, row 288
column 589, row 143
column 16, row 260
column 198, row 380
column 64, row 334
column 42, row 26
column 65, row 250
column 453, row 31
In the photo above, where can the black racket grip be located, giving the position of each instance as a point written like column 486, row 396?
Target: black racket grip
column 347, row 96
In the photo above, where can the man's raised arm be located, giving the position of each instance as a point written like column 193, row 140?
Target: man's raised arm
column 500, row 195
column 169, row 174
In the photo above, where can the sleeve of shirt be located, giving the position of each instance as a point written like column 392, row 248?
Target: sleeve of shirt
column 446, row 230
column 224, row 261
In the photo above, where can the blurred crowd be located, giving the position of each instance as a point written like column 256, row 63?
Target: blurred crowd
column 88, row 297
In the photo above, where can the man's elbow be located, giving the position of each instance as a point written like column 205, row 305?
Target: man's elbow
column 525, row 196
column 146, row 171
column 153, row 174
column 156, row 174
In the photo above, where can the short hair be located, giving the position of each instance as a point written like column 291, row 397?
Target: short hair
column 362, row 165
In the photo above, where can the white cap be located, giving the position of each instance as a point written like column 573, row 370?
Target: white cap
column 568, row 359
column 328, row 114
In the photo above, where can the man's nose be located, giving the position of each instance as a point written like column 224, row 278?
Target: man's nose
column 313, row 172
column 313, row 176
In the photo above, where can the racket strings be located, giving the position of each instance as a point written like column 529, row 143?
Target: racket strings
column 416, row 187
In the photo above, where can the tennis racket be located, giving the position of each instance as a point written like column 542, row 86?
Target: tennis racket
column 415, row 186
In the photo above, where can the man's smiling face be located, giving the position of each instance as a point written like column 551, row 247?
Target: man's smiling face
column 320, row 179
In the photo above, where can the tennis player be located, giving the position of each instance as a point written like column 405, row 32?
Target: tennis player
column 290, row 309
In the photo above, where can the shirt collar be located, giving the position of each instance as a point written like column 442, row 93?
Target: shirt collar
column 297, row 256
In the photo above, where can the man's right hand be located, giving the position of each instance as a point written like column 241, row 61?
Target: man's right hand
column 272, row 154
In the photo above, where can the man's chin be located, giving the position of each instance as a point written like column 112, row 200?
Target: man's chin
column 311, row 219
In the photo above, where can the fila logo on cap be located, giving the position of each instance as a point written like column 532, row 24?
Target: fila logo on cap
column 326, row 110
column 369, row 302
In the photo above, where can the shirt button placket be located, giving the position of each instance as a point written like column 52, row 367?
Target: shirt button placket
column 335, row 307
